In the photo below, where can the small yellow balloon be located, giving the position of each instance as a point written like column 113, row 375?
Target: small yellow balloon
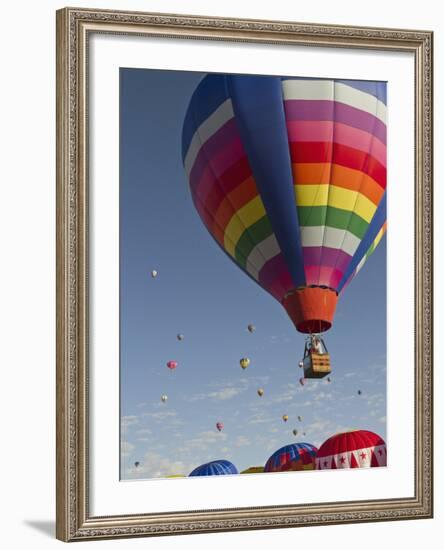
column 244, row 362
column 285, row 417
column 260, row 392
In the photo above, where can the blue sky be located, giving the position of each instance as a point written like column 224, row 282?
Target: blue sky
column 200, row 293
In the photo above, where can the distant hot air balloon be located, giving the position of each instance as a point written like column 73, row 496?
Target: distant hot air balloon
column 355, row 449
column 300, row 418
column 180, row 337
column 136, row 464
column 260, row 392
column 301, row 364
column 285, row 417
column 163, row 398
column 251, row 328
column 302, row 381
column 328, row 379
column 172, row 365
column 215, row 468
column 153, row 273
column 244, row 362
column 253, row 470
column 296, row 456
column 289, row 176
column 359, row 392
column 295, row 432
column 219, row 426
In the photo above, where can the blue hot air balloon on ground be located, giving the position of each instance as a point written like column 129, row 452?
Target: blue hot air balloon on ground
column 215, row 468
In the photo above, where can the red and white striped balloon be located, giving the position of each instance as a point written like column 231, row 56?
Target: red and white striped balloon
column 353, row 449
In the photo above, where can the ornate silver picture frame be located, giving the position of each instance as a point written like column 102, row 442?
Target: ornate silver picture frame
column 75, row 519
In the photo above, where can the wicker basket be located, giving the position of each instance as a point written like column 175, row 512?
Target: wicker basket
column 318, row 366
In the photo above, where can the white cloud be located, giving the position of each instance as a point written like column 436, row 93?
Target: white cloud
column 242, row 441
column 161, row 415
column 268, row 444
column 153, row 465
column 288, row 393
column 225, row 393
column 283, row 397
column 126, row 448
column 307, row 403
column 381, row 366
column 311, row 386
column 205, row 440
column 320, row 425
column 260, row 418
column 322, row 396
column 144, row 431
column 128, row 421
column 375, row 399
column 228, row 392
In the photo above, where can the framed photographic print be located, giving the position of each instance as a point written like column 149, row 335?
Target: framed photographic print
column 244, row 274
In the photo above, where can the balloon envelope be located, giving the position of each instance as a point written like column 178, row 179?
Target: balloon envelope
column 172, row 365
column 354, row 449
column 215, row 468
column 297, row 456
column 219, row 426
column 289, row 176
column 244, row 362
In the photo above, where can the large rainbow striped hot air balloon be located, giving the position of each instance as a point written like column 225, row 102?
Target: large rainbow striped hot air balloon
column 289, row 177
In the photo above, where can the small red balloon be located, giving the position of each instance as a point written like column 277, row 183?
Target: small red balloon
column 219, row 426
column 172, row 365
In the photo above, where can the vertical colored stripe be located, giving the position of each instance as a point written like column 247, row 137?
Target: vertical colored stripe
column 258, row 107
